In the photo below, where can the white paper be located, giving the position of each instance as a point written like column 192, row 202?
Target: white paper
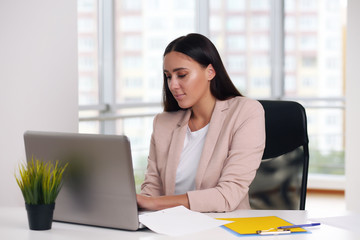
column 349, row 222
column 179, row 221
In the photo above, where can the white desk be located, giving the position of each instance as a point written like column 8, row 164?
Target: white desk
column 14, row 225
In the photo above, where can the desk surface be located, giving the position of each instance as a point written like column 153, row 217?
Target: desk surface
column 14, row 225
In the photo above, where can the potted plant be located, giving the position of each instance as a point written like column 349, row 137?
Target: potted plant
column 40, row 183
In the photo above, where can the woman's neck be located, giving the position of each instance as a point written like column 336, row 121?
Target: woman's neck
column 201, row 114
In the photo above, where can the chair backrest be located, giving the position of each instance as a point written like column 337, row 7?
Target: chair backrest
column 281, row 180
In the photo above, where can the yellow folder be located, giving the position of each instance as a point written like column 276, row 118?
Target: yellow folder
column 251, row 225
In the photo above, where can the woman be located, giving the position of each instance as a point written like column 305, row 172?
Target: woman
column 207, row 144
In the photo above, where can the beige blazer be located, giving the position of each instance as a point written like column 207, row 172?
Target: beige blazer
column 231, row 155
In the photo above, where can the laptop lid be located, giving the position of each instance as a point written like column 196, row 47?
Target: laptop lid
column 99, row 186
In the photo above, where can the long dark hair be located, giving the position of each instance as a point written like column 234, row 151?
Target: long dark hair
column 203, row 51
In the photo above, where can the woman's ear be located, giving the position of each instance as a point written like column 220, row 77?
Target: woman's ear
column 210, row 72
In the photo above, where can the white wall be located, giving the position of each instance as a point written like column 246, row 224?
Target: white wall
column 38, row 78
column 352, row 156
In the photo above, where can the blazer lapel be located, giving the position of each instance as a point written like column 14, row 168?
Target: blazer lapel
column 175, row 149
column 216, row 123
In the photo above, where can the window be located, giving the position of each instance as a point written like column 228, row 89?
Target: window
column 290, row 83
column 308, row 23
column 121, row 43
column 290, row 23
column 290, row 43
column 132, row 43
column 290, row 63
column 308, row 5
column 313, row 57
column 260, row 23
column 242, row 36
column 236, row 43
column 309, row 61
column 235, row 24
column 236, row 63
column 308, row 43
column 233, row 5
column 86, row 25
column 260, row 62
column 131, row 5
column 308, row 81
column 259, row 5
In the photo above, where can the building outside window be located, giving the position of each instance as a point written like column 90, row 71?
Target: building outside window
column 121, row 43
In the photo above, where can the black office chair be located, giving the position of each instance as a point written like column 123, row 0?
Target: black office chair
column 281, row 180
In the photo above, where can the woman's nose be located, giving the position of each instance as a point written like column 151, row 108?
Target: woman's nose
column 173, row 83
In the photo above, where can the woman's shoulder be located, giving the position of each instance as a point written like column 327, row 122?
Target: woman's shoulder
column 244, row 103
column 242, row 109
column 170, row 118
column 165, row 122
column 171, row 115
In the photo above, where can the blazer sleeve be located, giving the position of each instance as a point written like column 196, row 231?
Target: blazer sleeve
column 245, row 149
column 152, row 185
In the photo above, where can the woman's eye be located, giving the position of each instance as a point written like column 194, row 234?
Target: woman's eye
column 182, row 76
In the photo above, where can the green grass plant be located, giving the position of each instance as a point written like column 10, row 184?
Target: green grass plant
column 40, row 182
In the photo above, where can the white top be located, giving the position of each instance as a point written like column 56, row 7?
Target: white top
column 189, row 160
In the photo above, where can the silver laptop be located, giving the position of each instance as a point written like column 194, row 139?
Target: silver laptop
column 99, row 186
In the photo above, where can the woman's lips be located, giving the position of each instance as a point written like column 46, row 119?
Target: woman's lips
column 179, row 96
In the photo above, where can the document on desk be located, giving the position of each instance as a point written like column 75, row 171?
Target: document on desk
column 178, row 221
column 350, row 222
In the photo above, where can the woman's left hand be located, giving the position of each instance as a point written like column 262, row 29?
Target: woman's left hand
column 161, row 202
column 145, row 202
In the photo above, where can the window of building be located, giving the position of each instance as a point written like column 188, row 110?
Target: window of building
column 235, row 24
column 233, row 5
column 236, row 43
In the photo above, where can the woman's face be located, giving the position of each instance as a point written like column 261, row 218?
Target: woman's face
column 188, row 81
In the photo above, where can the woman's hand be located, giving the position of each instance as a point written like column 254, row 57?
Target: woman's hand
column 145, row 202
column 162, row 202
